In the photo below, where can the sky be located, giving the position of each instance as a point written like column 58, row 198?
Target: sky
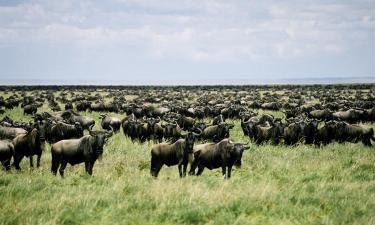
column 207, row 41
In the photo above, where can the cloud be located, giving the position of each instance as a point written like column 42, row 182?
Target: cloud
column 200, row 31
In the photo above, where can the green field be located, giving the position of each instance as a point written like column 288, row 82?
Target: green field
column 275, row 185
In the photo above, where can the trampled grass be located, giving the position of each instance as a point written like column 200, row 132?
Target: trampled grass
column 334, row 184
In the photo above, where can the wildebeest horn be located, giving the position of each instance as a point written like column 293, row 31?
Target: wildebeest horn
column 248, row 142
column 200, row 132
column 109, row 133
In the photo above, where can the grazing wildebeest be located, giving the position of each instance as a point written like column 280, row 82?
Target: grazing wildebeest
column 321, row 114
column 29, row 145
column 274, row 132
column 179, row 153
column 217, row 133
column 224, row 154
column 351, row 115
column 325, row 134
column 110, row 122
column 87, row 149
column 354, row 133
column 11, row 132
column 6, row 153
column 85, row 121
column 61, row 131
column 30, row 109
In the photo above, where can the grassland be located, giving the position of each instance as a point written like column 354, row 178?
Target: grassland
column 275, row 185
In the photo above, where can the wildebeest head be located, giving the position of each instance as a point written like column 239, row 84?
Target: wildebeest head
column 236, row 150
column 169, row 127
column 223, row 129
column 98, row 139
column 41, row 128
column 78, row 128
column 278, row 124
column 189, row 141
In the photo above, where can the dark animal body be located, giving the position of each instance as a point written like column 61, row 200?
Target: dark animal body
column 224, row 154
column 28, row 145
column 6, row 153
column 10, row 132
column 74, row 151
column 179, row 153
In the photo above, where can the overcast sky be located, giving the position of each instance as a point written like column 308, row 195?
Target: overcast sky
column 148, row 41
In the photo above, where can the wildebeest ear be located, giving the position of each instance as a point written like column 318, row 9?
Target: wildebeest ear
column 246, row 148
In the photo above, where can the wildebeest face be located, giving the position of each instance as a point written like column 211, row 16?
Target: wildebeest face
column 279, row 126
column 41, row 128
column 99, row 143
column 169, row 128
column 237, row 153
column 79, row 128
column 189, row 142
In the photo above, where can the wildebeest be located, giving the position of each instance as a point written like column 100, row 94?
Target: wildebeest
column 217, row 133
column 30, row 109
column 354, row 133
column 274, row 132
column 29, row 145
column 110, row 122
column 321, row 114
column 178, row 153
column 87, row 149
column 6, row 153
column 325, row 134
column 85, row 121
column 351, row 115
column 224, row 154
column 61, row 131
column 171, row 131
column 10, row 132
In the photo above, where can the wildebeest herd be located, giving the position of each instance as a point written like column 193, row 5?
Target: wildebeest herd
column 189, row 125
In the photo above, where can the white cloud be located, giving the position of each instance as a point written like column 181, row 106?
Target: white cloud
column 213, row 31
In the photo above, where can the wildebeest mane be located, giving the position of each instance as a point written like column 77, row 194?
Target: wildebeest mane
column 84, row 145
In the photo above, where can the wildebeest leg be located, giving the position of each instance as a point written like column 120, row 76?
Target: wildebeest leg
column 31, row 161
column 62, row 168
column 155, row 167
column 193, row 166
column 17, row 159
column 55, row 166
column 229, row 171
column 200, row 170
column 89, row 169
column 184, row 169
column 38, row 160
column 224, row 170
column 180, row 169
column 6, row 164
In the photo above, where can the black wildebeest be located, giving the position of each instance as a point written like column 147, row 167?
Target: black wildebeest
column 224, row 154
column 217, row 133
column 110, row 122
column 87, row 149
column 325, row 134
column 72, row 117
column 29, row 145
column 177, row 153
column 30, row 109
column 11, row 132
column 61, row 131
column 6, row 153
column 274, row 132
column 354, row 133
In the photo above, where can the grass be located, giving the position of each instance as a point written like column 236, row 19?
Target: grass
column 275, row 185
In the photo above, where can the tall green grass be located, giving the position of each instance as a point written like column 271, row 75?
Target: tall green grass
column 334, row 184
